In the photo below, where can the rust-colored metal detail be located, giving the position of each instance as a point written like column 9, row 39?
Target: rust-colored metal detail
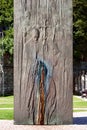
column 42, row 99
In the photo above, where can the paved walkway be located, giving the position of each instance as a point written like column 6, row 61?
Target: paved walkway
column 8, row 125
column 79, row 120
column 84, row 109
column 80, row 114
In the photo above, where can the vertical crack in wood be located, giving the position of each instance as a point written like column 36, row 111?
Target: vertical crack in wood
column 45, row 35
column 42, row 99
column 21, row 69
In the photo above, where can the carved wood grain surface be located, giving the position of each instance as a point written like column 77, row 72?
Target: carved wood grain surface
column 43, row 38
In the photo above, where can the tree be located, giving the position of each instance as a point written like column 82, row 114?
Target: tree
column 80, row 29
column 6, row 26
column 6, row 14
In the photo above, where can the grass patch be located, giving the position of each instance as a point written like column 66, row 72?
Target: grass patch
column 6, row 105
column 6, row 102
column 79, row 103
column 76, row 99
column 7, row 99
column 6, row 114
column 82, row 104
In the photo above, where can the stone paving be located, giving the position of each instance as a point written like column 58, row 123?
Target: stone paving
column 9, row 125
column 79, row 123
column 80, row 118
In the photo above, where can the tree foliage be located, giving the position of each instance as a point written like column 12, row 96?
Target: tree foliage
column 80, row 29
column 6, row 14
column 6, row 26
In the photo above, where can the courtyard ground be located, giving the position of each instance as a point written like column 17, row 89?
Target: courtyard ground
column 8, row 125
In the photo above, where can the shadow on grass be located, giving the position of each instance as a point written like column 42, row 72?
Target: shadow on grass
column 80, row 120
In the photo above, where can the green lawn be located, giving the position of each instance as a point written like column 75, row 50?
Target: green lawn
column 6, row 102
column 7, row 99
column 79, row 103
column 76, row 99
column 6, row 106
column 6, row 114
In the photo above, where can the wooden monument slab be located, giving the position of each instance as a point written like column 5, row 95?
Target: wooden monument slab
column 43, row 62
